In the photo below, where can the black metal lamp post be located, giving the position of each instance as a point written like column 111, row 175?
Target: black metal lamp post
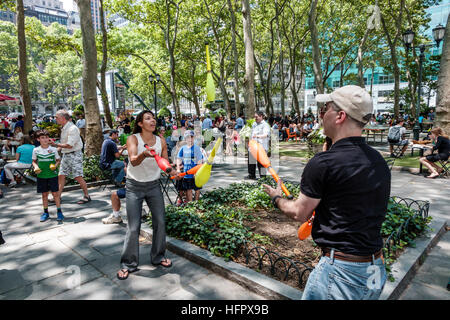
column 408, row 38
column 154, row 79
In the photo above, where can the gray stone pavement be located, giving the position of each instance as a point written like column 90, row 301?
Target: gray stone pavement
column 43, row 260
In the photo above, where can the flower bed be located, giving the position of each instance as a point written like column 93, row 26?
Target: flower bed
column 240, row 224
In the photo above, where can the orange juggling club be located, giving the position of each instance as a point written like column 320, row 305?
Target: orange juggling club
column 190, row 171
column 258, row 152
column 163, row 164
column 305, row 229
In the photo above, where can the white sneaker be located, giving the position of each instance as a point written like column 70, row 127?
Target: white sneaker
column 13, row 184
column 112, row 219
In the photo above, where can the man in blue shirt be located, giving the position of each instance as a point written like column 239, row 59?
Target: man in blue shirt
column 239, row 123
column 110, row 154
column 189, row 156
column 19, row 122
column 421, row 122
column 431, row 115
column 207, row 123
column 24, row 154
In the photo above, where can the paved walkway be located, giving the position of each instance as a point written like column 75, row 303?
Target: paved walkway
column 43, row 260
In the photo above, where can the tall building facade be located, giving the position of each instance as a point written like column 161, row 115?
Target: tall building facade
column 95, row 12
column 47, row 11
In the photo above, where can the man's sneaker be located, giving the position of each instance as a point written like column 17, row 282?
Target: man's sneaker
column 60, row 217
column 13, row 184
column 250, row 177
column 44, row 217
column 112, row 219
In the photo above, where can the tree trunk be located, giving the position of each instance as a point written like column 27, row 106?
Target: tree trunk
column 281, row 60
column 396, row 82
column 94, row 137
column 412, row 87
column 317, row 59
column 103, row 67
column 443, row 86
column 360, row 58
column 249, row 78
column 170, row 45
column 392, row 42
column 22, row 64
column 237, row 103
column 194, row 91
column 292, row 61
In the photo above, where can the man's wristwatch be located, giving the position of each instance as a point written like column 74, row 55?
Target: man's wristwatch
column 274, row 201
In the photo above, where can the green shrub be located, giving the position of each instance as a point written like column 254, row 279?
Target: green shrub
column 406, row 224
column 54, row 129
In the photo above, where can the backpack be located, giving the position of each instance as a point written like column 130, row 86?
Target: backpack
column 394, row 134
column 3, row 178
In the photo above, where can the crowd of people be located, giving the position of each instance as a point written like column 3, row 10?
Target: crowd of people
column 353, row 202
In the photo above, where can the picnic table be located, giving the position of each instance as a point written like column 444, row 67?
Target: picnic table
column 374, row 131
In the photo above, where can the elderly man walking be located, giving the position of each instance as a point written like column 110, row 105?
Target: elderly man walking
column 72, row 156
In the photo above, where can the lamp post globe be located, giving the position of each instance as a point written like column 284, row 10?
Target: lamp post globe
column 408, row 38
column 438, row 34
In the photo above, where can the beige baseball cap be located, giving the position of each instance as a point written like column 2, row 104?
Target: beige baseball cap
column 354, row 100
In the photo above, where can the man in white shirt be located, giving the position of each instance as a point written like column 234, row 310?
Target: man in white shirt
column 207, row 123
column 260, row 133
column 81, row 124
column 316, row 125
column 72, row 156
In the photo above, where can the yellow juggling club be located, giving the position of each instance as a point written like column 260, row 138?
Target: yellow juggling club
column 203, row 174
column 210, row 89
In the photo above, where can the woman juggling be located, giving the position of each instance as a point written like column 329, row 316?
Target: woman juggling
column 442, row 145
column 142, row 183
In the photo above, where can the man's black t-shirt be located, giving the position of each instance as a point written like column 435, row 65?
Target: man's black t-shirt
column 353, row 182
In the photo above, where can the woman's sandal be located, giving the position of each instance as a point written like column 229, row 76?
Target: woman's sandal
column 84, row 200
column 167, row 264
column 433, row 175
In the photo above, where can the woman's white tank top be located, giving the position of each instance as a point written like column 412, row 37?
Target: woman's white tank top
column 148, row 170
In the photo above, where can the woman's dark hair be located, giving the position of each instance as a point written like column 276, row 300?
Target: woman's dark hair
column 27, row 139
column 140, row 118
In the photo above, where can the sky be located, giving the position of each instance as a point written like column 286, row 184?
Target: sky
column 68, row 5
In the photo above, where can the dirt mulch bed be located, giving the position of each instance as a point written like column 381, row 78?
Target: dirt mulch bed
column 282, row 232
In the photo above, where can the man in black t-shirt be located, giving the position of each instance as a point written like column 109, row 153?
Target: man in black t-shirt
column 348, row 187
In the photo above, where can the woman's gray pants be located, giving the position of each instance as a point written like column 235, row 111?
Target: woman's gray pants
column 152, row 194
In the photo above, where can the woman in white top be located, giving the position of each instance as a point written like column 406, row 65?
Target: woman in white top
column 17, row 139
column 142, row 184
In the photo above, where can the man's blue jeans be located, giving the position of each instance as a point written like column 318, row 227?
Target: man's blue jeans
column 117, row 169
column 343, row 280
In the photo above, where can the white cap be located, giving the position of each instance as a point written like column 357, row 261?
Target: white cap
column 354, row 100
